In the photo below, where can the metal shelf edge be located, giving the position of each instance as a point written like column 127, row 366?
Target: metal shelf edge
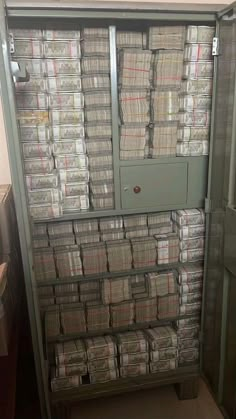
column 122, row 385
column 71, row 280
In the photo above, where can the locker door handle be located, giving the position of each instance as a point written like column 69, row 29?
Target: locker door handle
column 137, row 189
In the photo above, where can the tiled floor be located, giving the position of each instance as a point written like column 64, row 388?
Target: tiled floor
column 159, row 403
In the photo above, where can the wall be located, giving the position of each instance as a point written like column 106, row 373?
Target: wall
column 5, row 176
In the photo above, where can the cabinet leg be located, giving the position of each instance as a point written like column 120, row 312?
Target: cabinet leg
column 188, row 389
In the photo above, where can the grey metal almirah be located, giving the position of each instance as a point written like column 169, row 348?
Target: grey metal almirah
column 145, row 186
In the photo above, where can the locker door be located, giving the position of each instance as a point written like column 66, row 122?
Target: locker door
column 10, row 119
column 219, row 308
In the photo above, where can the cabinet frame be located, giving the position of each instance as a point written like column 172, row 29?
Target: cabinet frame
column 18, row 14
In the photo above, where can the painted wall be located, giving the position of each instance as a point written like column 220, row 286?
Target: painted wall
column 5, row 176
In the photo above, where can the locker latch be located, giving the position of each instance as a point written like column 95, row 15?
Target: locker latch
column 11, row 43
column 215, row 46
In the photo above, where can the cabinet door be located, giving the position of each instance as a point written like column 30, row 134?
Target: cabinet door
column 219, row 331
column 13, row 143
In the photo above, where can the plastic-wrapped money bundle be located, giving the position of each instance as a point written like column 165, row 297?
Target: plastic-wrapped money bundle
column 190, row 226
column 188, row 341
column 100, row 347
column 119, row 255
column 96, row 87
column 91, row 237
column 132, row 342
column 159, row 218
column 161, row 283
column 133, row 221
column 40, row 236
column 163, row 343
column 200, row 34
column 166, row 37
column 167, row 248
column 134, row 107
column 117, row 234
column 73, row 319
column 165, row 104
column 111, row 223
column 133, row 141
column 164, row 139
column 190, row 274
column 64, row 228
column 64, row 383
column 135, row 66
column 103, row 376
column 145, row 310
column 111, row 228
column 70, row 353
column 90, row 291
column 52, row 324
column 189, row 217
column 85, row 226
column 102, row 359
column 98, row 316
column 102, row 364
column 71, row 370
column 95, row 46
column 102, row 192
column 46, row 303
column 161, row 337
column 162, row 366
column 168, row 68
column 44, row 264
column 62, row 79
column 195, row 103
column 133, row 353
column 129, row 39
column 69, row 289
column 168, row 306
column 68, row 261
column 94, row 258
column 93, row 64
column 61, row 234
column 134, row 370
column 41, row 180
column 116, row 290
column 62, row 241
column 194, row 148
column 122, row 314
column 190, row 289
column 139, row 287
column 71, row 363
column 134, row 232
column 144, row 252
column 190, row 231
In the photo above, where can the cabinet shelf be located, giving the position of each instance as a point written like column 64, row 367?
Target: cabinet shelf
column 123, row 385
column 75, row 279
column 112, row 330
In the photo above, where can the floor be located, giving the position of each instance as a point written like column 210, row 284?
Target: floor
column 160, row 403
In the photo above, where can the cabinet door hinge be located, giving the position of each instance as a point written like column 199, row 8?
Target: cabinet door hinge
column 207, row 205
column 215, row 46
